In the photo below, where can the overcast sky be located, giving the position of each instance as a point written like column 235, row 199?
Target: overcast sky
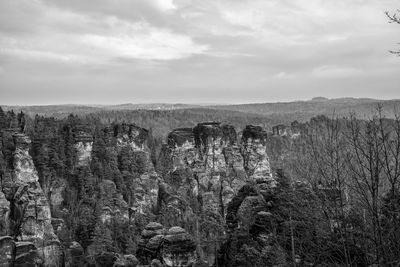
column 196, row 51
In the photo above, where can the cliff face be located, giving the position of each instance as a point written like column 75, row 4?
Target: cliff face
column 29, row 217
column 208, row 162
column 203, row 170
column 83, row 146
column 173, row 247
column 254, row 151
column 47, row 148
column 102, row 188
column 134, row 158
column 251, row 222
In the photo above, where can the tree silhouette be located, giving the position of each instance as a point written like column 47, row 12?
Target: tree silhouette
column 394, row 18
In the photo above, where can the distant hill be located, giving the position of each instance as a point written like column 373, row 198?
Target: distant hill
column 166, row 116
column 60, row 111
column 304, row 110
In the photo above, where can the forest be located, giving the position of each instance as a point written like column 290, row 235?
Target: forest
column 182, row 189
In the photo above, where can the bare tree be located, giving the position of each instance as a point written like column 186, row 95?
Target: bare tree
column 394, row 18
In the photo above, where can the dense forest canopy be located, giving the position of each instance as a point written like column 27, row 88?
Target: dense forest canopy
column 330, row 198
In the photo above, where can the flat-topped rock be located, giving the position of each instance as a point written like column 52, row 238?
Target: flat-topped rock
column 204, row 131
column 154, row 226
column 21, row 140
column 180, row 136
column 174, row 247
column 175, row 230
column 254, row 132
column 131, row 133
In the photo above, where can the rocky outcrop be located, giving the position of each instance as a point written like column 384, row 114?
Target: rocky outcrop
column 130, row 145
column 29, row 217
column 205, row 167
column 292, row 131
column 174, row 247
column 131, row 135
column 178, row 248
column 7, row 247
column 83, row 146
column 4, row 214
column 254, row 151
column 113, row 205
column 46, row 147
column 73, row 254
column 251, row 234
column 204, row 163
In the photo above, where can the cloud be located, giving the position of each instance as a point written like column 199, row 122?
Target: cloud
column 335, row 72
column 144, row 42
column 76, row 37
column 199, row 48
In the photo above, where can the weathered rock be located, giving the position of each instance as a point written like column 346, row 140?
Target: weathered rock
column 106, row 259
column 156, row 263
column 251, row 236
column 204, row 162
column 292, row 131
column 4, row 213
column 31, row 208
column 7, row 247
column 178, row 248
column 174, row 247
column 205, row 167
column 46, row 146
column 112, row 203
column 129, row 144
column 28, row 255
column 146, row 192
column 83, row 145
column 73, row 254
column 126, row 260
column 254, row 151
column 131, row 135
column 150, row 242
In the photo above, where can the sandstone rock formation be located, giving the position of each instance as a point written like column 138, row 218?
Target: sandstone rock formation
column 254, row 151
column 46, row 145
column 205, row 163
column 292, row 131
column 113, row 205
column 203, row 170
column 83, row 146
column 29, row 217
column 7, row 248
column 173, row 248
column 132, row 151
column 250, row 221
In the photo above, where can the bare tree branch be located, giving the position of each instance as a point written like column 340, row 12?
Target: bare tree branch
column 394, row 18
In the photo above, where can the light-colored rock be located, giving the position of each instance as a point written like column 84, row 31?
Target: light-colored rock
column 114, row 206
column 84, row 153
column 34, row 208
column 174, row 247
column 254, row 151
column 4, row 212
column 204, row 162
column 7, row 247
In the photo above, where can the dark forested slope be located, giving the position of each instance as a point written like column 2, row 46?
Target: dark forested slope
column 101, row 190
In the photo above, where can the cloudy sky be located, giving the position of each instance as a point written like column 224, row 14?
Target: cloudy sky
column 196, row 51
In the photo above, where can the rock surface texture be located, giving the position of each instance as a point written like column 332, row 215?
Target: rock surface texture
column 134, row 157
column 172, row 248
column 204, row 163
column 251, row 239
column 29, row 218
column 205, row 167
column 102, row 189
